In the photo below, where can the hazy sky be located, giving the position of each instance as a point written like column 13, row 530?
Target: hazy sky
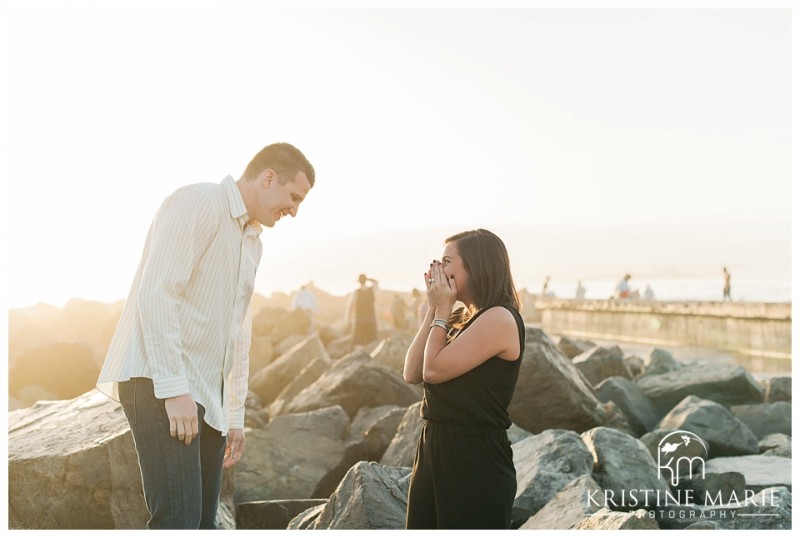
column 595, row 142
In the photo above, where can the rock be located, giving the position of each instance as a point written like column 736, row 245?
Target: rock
column 766, row 418
column 375, row 428
column 265, row 320
column 340, row 347
column 725, row 384
column 370, row 496
column 72, row 465
column 642, row 415
column 272, row 514
column 773, row 504
column 14, row 404
column 291, row 455
column 660, row 361
column 677, row 453
column 294, row 322
column 515, row 433
column 289, row 342
column 620, row 461
column 254, row 415
column 551, row 393
column 774, row 440
column 392, row 352
column 261, row 353
column 545, row 464
column 312, row 371
column 759, row 471
column 600, row 363
column 272, row 379
column 65, row 369
column 779, row 389
column 615, row 418
column 30, row 394
column 401, row 451
column 605, row 519
column 354, row 382
column 711, row 488
column 723, row 432
column 305, row 519
column 781, row 451
column 574, row 347
column 703, row 526
column 568, row 507
column 635, row 365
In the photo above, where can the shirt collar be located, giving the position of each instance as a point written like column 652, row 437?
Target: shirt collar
column 237, row 207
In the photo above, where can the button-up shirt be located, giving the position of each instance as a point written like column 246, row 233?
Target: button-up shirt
column 186, row 323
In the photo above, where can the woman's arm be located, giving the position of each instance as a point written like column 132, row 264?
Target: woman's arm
column 412, row 368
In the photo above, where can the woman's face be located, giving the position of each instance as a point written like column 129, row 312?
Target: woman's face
column 453, row 266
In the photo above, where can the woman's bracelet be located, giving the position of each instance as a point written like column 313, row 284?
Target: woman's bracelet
column 441, row 323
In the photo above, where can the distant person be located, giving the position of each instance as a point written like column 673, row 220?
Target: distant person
column 178, row 361
column 649, row 294
column 726, row 290
column 361, row 311
column 580, row 292
column 399, row 311
column 546, row 287
column 623, row 289
column 306, row 301
column 468, row 361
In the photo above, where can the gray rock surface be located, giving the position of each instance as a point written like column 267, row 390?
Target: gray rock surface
column 271, row 380
column 354, row 382
column 766, row 418
column 778, row 389
column 392, row 352
column 642, row 415
column 572, row 347
column 759, row 471
column 621, row 461
column 551, row 393
column 65, row 369
column 725, row 384
column 72, row 465
column 605, row 519
column 568, row 507
column 312, row 371
column 291, row 455
column 370, row 496
column 545, row 464
column 272, row 514
column 724, row 433
column 660, row 361
column 400, row 452
column 305, row 520
column 601, row 363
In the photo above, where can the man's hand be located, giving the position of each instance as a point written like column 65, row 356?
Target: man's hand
column 235, row 448
column 182, row 413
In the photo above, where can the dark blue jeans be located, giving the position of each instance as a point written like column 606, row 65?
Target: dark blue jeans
column 181, row 483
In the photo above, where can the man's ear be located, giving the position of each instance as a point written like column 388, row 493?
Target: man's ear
column 268, row 177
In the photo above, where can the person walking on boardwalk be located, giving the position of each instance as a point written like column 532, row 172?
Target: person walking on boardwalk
column 178, row 361
column 726, row 289
column 468, row 361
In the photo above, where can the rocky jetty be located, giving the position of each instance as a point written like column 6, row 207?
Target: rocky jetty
column 600, row 440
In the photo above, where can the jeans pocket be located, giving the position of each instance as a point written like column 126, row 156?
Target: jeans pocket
column 127, row 397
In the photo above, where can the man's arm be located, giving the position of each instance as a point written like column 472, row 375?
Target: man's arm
column 237, row 385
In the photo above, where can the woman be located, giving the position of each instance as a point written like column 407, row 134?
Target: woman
column 469, row 362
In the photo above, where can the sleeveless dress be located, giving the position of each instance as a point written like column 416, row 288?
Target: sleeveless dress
column 366, row 326
column 463, row 475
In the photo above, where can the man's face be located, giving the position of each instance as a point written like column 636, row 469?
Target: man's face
column 277, row 200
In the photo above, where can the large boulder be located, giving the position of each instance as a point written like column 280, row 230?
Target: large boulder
column 572, row 347
column 768, row 509
column 778, row 389
column 72, row 465
column 620, row 462
column 773, row 442
column 660, row 361
column 767, row 418
column 402, row 448
column 545, row 464
column 272, row 514
column 312, row 371
column 642, row 415
column 551, row 393
column 354, row 382
column 291, row 455
column 370, row 496
column 724, row 433
column 608, row 520
column 64, row 369
column 273, row 378
column 759, row 471
column 375, row 428
column 725, row 384
column 601, row 363
column 392, row 352
column 568, row 507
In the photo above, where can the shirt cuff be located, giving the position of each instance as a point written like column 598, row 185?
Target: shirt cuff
column 169, row 387
column 236, row 419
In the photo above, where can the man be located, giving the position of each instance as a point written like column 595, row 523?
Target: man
column 306, row 301
column 726, row 289
column 178, row 361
